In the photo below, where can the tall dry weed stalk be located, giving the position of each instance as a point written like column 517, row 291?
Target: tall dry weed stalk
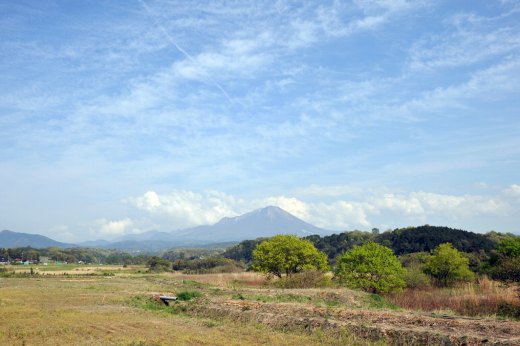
column 484, row 298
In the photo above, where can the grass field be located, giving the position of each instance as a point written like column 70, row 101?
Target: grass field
column 75, row 309
column 112, row 305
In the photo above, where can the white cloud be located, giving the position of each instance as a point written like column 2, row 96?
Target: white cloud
column 451, row 206
column 406, row 205
column 340, row 215
column 187, row 208
column 470, row 39
column 513, row 190
column 109, row 228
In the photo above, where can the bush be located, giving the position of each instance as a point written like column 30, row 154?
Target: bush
column 508, row 270
column 288, row 254
column 509, row 310
column 306, row 279
column 448, row 266
column 371, row 267
column 209, row 265
column 415, row 278
column 188, row 295
column 158, row 264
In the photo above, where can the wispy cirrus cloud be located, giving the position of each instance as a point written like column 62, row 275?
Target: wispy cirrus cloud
column 323, row 103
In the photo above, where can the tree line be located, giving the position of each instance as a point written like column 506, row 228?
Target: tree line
column 376, row 268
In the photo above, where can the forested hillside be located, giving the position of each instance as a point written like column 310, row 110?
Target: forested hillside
column 401, row 241
column 426, row 238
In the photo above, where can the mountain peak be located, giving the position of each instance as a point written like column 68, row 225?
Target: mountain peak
column 263, row 222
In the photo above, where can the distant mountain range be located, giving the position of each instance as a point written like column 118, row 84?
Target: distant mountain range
column 15, row 239
column 264, row 222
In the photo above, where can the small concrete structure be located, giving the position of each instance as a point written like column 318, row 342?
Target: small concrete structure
column 166, row 299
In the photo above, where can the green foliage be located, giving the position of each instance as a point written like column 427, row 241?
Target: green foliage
column 207, row 265
column 306, row 279
column 72, row 255
column 426, row 238
column 375, row 301
column 401, row 241
column 158, row 264
column 448, row 266
column 335, row 244
column 509, row 247
column 150, row 304
column 288, row 254
column 508, row 270
column 508, row 310
column 371, row 267
column 243, row 251
column 191, row 253
column 415, row 278
column 506, row 260
column 188, row 295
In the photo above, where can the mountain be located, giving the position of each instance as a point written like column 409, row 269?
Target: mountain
column 14, row 239
column 95, row 243
column 264, row 222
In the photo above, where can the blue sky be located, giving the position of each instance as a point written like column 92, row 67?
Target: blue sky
column 120, row 117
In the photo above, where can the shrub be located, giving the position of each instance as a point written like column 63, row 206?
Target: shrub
column 158, row 264
column 415, row 278
column 188, row 295
column 508, row 269
column 306, row 279
column 371, row 267
column 287, row 254
column 448, row 266
column 509, row 310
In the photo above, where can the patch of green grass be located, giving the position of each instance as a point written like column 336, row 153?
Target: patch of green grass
column 375, row 301
column 188, row 295
column 194, row 283
column 238, row 296
column 147, row 303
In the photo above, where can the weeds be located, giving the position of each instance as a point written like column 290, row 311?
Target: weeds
column 306, row 279
column 148, row 303
column 486, row 298
column 188, row 295
column 238, row 296
column 375, row 301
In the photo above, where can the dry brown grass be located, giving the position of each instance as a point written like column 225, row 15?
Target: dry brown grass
column 94, row 311
column 73, row 269
column 485, row 298
column 225, row 279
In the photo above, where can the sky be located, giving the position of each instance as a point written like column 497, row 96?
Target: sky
column 120, row 117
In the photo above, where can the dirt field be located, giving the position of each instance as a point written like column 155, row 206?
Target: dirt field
column 81, row 309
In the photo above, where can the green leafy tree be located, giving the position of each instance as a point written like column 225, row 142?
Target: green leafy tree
column 507, row 260
column 287, row 254
column 371, row 267
column 448, row 266
column 158, row 264
column 509, row 247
